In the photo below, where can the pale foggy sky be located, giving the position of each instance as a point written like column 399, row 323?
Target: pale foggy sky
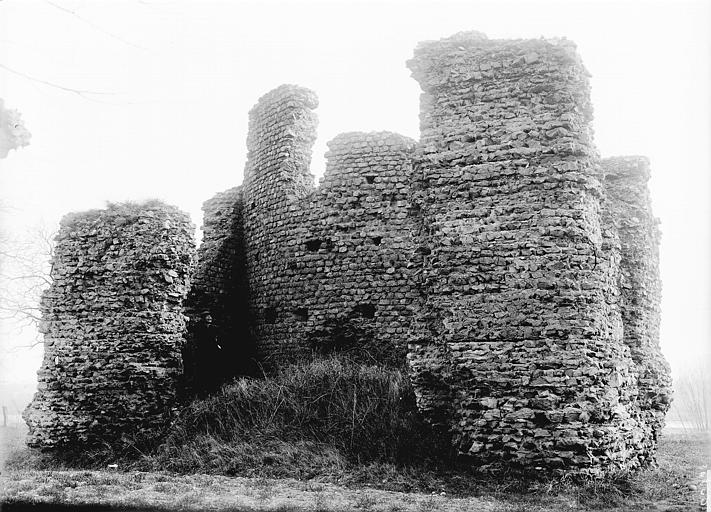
column 180, row 78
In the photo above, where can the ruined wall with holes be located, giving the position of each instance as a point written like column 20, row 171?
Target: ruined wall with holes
column 113, row 326
column 519, row 274
column 326, row 265
column 282, row 130
column 517, row 346
column 346, row 286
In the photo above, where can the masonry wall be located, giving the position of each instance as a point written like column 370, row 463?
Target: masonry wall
column 326, row 265
column 282, row 130
column 346, row 283
column 113, row 326
column 219, row 345
column 517, row 346
column 626, row 181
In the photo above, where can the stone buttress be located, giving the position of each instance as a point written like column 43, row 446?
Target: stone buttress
column 640, row 287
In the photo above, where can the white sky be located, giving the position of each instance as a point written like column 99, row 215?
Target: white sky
column 181, row 77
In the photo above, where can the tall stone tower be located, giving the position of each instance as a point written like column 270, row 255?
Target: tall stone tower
column 282, row 130
column 113, row 327
column 517, row 347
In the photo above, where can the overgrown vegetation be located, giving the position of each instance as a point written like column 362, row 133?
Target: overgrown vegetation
column 315, row 417
column 312, row 417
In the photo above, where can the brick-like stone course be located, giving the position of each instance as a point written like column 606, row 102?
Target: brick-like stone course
column 282, row 130
column 113, row 326
column 326, row 266
column 346, row 285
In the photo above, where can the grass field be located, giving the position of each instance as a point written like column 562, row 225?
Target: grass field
column 678, row 484
column 326, row 436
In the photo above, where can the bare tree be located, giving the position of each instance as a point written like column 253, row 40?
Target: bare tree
column 692, row 397
column 24, row 274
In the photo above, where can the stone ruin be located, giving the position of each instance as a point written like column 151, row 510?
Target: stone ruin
column 509, row 269
column 540, row 265
column 113, row 324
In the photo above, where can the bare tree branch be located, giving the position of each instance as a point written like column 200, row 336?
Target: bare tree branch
column 81, row 92
column 24, row 275
column 692, row 401
column 93, row 25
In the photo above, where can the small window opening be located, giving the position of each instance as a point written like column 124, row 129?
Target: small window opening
column 540, row 419
column 301, row 314
column 390, row 198
column 314, row 245
column 370, row 178
column 270, row 315
column 366, row 310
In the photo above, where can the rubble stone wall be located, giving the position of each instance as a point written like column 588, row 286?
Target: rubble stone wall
column 325, row 265
column 639, row 284
column 113, row 326
column 517, row 344
column 346, row 286
column 514, row 272
column 282, row 130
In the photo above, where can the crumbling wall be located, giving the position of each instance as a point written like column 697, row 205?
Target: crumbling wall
column 326, row 266
column 346, row 282
column 282, row 130
column 516, row 347
column 219, row 345
column 639, row 284
column 113, row 326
